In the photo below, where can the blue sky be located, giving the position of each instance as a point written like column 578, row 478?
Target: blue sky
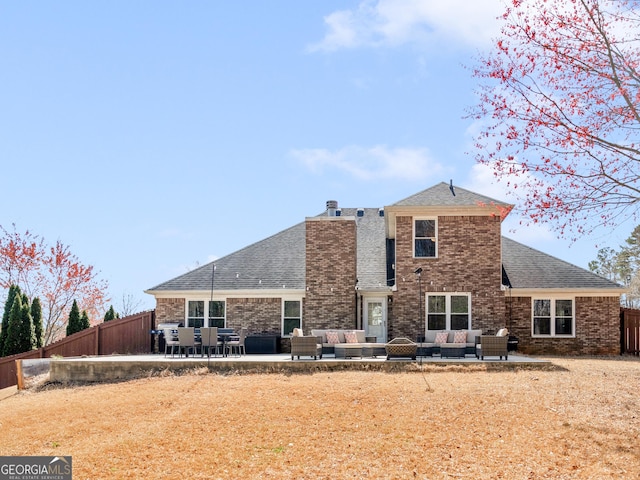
column 155, row 136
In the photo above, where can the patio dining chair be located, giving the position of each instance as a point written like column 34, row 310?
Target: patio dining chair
column 186, row 340
column 170, row 340
column 209, row 340
column 238, row 345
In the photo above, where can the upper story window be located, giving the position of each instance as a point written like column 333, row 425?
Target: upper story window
column 424, row 235
column 553, row 318
column 199, row 310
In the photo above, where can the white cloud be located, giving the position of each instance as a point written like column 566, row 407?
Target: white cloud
column 399, row 22
column 378, row 162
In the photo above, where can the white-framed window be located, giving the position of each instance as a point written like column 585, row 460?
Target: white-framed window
column 195, row 313
column 212, row 310
column 425, row 237
column 291, row 316
column 553, row 317
column 448, row 311
column 217, row 313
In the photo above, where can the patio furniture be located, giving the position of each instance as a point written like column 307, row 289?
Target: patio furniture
column 493, row 345
column 238, row 345
column 226, row 335
column 306, row 346
column 348, row 350
column 186, row 340
column 401, row 348
column 373, row 350
column 170, row 340
column 262, row 343
column 360, row 336
column 209, row 340
column 429, row 346
column 452, row 350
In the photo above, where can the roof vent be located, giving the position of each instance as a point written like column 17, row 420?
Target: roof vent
column 381, row 212
column 332, row 206
column 360, row 212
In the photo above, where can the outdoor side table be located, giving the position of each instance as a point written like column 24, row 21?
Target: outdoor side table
column 452, row 350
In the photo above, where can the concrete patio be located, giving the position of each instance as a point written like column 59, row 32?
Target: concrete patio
column 108, row 368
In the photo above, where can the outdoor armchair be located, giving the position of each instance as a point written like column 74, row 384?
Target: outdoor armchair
column 306, row 346
column 492, row 346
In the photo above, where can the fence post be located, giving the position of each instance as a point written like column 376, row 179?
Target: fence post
column 19, row 376
column 97, row 343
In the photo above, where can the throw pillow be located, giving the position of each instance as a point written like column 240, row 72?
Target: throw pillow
column 297, row 332
column 332, row 337
column 441, row 337
column 460, row 336
column 502, row 332
column 351, row 337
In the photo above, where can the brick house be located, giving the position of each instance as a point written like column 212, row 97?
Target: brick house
column 435, row 260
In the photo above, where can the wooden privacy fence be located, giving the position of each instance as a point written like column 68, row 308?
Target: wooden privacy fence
column 128, row 335
column 630, row 331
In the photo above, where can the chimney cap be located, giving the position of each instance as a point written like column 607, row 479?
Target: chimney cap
column 332, row 206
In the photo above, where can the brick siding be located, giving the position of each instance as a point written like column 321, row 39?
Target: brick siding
column 597, row 328
column 259, row 315
column 331, row 273
column 170, row 309
column 468, row 261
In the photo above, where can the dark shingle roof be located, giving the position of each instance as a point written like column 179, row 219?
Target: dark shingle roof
column 526, row 267
column 275, row 262
column 278, row 262
column 440, row 195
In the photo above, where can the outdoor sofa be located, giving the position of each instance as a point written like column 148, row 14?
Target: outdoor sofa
column 332, row 336
column 433, row 339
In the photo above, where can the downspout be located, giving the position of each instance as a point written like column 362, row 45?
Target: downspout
column 357, row 309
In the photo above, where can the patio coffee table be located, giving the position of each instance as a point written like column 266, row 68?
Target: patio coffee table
column 373, row 350
column 346, row 350
column 452, row 350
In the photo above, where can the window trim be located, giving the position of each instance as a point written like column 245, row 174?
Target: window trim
column 206, row 318
column 435, row 238
column 448, row 312
column 283, row 318
column 552, row 320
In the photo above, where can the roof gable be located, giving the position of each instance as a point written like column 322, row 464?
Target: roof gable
column 446, row 195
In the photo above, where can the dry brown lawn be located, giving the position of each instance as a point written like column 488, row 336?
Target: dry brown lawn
column 579, row 421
